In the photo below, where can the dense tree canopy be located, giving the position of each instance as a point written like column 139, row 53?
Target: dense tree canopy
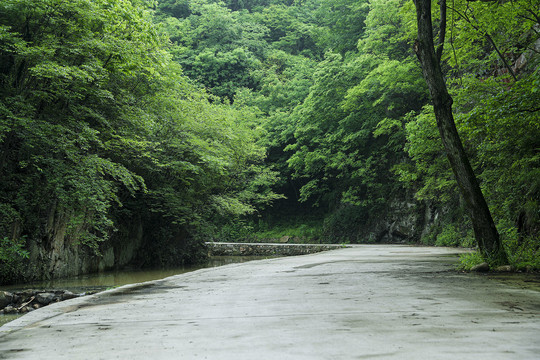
column 98, row 123
column 195, row 115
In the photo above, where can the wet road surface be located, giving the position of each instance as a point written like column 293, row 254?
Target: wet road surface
column 364, row 302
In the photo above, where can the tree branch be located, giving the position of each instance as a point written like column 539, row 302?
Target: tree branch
column 534, row 14
column 442, row 32
column 508, row 67
column 452, row 44
column 489, row 38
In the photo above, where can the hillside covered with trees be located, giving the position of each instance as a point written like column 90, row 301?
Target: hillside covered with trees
column 131, row 131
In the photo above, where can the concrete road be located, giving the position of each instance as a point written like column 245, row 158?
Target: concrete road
column 365, row 302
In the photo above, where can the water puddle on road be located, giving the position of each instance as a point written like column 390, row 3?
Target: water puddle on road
column 105, row 280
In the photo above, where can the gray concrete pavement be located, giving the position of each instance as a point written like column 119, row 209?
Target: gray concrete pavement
column 365, row 302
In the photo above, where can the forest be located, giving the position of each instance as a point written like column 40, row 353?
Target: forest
column 132, row 131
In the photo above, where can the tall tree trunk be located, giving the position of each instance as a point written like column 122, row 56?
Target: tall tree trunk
column 485, row 231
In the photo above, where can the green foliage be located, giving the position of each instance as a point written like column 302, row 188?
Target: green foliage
column 496, row 115
column 223, row 72
column 349, row 129
column 216, row 47
column 504, row 129
column 524, row 252
column 340, row 24
column 322, row 127
column 385, row 35
column 193, row 115
column 169, row 249
column 299, row 229
column 63, row 86
column 470, row 260
column 12, row 256
column 345, row 108
column 430, row 167
column 289, row 29
column 344, row 225
column 238, row 231
column 98, row 125
column 452, row 235
column 482, row 35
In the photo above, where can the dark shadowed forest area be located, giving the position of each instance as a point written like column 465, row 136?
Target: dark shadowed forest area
column 132, row 131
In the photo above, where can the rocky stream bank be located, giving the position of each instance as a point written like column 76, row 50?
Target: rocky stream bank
column 21, row 302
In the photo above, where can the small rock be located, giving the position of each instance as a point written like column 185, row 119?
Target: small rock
column 284, row 239
column 36, row 306
column 483, row 267
column 45, row 298
column 28, row 293
column 505, row 268
column 10, row 310
column 68, row 295
column 5, row 298
column 24, row 310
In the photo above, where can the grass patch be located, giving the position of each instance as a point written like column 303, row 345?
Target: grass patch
column 470, row 260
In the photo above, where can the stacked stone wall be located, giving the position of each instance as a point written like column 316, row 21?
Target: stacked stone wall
column 263, row 249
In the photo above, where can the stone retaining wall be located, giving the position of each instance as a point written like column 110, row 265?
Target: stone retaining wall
column 265, row 249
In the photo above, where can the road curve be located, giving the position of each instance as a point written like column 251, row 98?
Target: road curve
column 364, row 302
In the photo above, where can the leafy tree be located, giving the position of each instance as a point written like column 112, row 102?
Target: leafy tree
column 99, row 126
column 62, row 86
column 482, row 43
column 218, row 48
column 485, row 43
column 223, row 72
column 339, row 24
column 384, row 34
column 187, row 115
column 485, row 231
column 289, row 30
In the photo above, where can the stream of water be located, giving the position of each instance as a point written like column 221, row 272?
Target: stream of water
column 109, row 279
